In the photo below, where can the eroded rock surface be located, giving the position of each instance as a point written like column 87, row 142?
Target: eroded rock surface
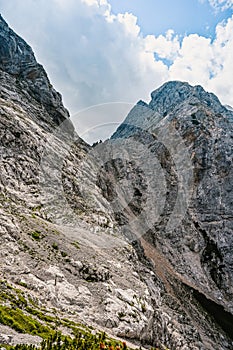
column 54, row 220
column 199, row 249
column 67, row 244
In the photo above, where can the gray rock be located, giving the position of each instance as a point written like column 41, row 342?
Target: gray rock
column 70, row 246
column 199, row 248
column 18, row 60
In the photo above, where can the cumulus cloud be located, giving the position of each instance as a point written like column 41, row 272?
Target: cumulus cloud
column 222, row 81
column 94, row 56
column 165, row 46
column 194, row 60
column 206, row 62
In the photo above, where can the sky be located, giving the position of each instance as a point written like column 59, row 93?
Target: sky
column 112, row 53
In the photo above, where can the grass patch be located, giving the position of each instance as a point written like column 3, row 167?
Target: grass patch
column 76, row 244
column 36, row 235
column 16, row 319
column 23, row 284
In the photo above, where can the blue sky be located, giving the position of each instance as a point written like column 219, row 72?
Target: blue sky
column 183, row 16
column 98, row 52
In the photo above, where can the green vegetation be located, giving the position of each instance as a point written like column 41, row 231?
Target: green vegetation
column 55, row 232
column 80, row 341
column 121, row 315
column 22, row 323
column 23, row 284
column 63, row 254
column 36, row 235
column 76, row 244
column 143, row 307
column 37, row 208
column 21, row 313
column 55, row 246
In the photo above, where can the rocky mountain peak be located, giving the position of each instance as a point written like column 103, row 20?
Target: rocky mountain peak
column 17, row 60
column 175, row 93
column 174, row 99
column 15, row 53
column 85, row 234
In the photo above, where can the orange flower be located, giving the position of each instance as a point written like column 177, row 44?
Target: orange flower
column 124, row 345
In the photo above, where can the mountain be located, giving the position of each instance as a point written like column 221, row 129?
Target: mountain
column 190, row 132
column 131, row 237
column 52, row 264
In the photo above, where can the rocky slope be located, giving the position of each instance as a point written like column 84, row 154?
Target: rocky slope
column 132, row 236
column 190, row 132
column 50, row 241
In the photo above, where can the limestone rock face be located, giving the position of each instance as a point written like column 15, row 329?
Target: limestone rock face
column 18, row 60
column 205, row 127
column 53, row 218
column 174, row 93
column 136, row 243
column 198, row 248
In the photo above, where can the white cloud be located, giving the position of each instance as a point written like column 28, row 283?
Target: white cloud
column 201, row 61
column 222, row 82
column 94, row 56
column 194, row 60
column 221, row 4
column 167, row 46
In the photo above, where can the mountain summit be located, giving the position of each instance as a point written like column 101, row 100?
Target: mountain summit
column 18, row 60
column 174, row 93
column 130, row 239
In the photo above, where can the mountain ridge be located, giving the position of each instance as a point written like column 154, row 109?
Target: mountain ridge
column 17, row 59
column 76, row 246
